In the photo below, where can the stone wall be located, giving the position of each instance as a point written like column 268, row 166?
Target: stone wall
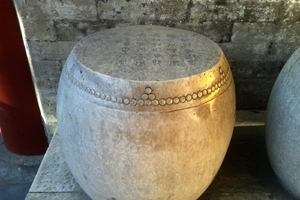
column 257, row 37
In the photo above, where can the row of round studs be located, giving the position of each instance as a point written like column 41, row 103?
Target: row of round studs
column 149, row 99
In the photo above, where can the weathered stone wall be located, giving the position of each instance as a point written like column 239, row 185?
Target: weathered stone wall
column 257, row 37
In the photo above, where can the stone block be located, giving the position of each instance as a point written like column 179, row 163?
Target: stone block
column 257, row 52
column 258, row 69
column 39, row 30
column 202, row 11
column 288, row 33
column 47, row 85
column 47, row 68
column 269, row 42
column 74, row 9
column 34, row 10
column 259, row 32
column 245, row 11
column 47, row 74
column 57, row 196
column 51, row 128
column 51, row 170
column 246, row 52
column 70, row 30
column 48, row 107
column 217, row 31
column 41, row 50
column 281, row 51
column 57, row 9
column 289, row 11
column 253, row 93
column 264, row 11
column 135, row 11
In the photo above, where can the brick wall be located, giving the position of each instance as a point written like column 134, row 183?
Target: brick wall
column 257, row 37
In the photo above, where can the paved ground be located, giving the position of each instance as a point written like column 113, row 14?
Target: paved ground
column 16, row 174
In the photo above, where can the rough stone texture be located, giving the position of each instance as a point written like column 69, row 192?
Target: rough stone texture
column 47, row 74
column 57, row 196
column 70, row 30
column 267, row 41
column 249, row 32
column 283, row 127
column 50, row 50
column 46, row 175
column 148, row 110
column 251, row 89
column 245, row 173
column 40, row 30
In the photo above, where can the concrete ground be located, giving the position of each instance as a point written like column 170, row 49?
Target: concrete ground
column 244, row 175
column 16, row 173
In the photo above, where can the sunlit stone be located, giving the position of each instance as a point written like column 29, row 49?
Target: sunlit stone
column 159, row 132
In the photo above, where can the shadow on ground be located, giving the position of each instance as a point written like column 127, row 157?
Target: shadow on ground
column 246, row 172
column 16, row 173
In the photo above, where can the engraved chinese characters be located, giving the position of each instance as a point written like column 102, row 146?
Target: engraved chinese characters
column 145, row 112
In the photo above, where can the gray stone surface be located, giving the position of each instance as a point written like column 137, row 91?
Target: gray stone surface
column 40, row 30
column 145, row 107
column 249, row 118
column 74, row 9
column 57, row 196
column 14, row 191
column 244, row 175
column 268, row 42
column 48, row 107
column 283, row 127
column 54, row 179
column 249, row 32
column 260, row 89
column 33, row 10
column 47, row 69
column 16, row 173
column 41, row 50
column 70, row 30
column 53, row 175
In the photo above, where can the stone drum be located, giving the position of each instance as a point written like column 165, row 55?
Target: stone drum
column 283, row 126
column 145, row 112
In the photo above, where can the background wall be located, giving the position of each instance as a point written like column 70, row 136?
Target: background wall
column 257, row 36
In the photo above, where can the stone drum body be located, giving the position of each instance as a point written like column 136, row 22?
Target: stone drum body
column 283, row 126
column 145, row 112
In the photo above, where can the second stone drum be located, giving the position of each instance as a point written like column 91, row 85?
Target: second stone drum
column 145, row 112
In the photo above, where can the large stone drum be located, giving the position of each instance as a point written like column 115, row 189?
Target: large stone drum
column 283, row 125
column 145, row 112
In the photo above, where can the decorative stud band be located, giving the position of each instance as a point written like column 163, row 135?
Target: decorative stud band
column 148, row 97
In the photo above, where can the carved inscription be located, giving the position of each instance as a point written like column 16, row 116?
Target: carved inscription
column 157, row 50
column 142, row 56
